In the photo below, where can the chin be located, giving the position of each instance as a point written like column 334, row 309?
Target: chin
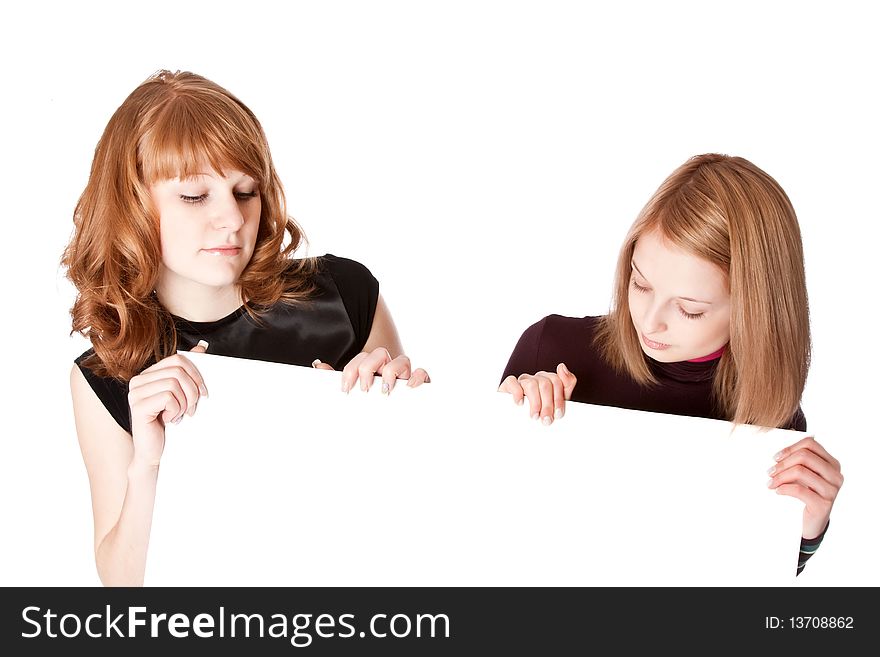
column 662, row 356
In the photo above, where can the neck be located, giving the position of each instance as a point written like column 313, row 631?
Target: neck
column 195, row 301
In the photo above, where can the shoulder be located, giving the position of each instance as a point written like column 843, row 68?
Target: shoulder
column 344, row 268
column 563, row 328
column 354, row 282
column 559, row 328
column 112, row 393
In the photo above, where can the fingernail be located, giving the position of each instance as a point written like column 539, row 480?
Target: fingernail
column 546, row 420
column 777, row 456
column 535, row 416
column 346, row 386
column 771, row 470
column 385, row 388
column 558, row 413
column 203, row 344
column 203, row 390
column 769, row 483
column 316, row 362
column 519, row 402
column 177, row 419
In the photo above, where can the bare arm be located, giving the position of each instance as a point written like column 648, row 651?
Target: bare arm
column 123, row 468
column 383, row 332
column 123, row 492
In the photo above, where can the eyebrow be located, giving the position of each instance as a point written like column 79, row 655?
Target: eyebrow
column 633, row 263
column 207, row 175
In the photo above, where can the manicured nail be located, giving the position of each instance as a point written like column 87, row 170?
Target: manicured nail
column 316, row 362
column 346, row 386
column 177, row 419
column 535, row 416
column 546, row 420
column 777, row 456
column 203, row 344
column 519, row 402
column 769, row 483
column 558, row 413
column 203, row 390
column 385, row 388
column 771, row 470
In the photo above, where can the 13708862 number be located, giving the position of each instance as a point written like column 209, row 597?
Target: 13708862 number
column 821, row 622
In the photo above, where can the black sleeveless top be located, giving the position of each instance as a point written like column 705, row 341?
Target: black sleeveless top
column 332, row 325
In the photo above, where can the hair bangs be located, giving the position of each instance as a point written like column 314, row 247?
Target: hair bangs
column 186, row 136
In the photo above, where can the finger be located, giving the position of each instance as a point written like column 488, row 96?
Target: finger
column 545, row 387
column 569, row 380
column 530, row 390
column 318, row 365
column 418, row 377
column 164, row 398
column 808, row 442
column 399, row 368
column 350, row 371
column 372, row 365
column 180, row 361
column 558, row 394
column 804, row 494
column 177, row 373
column 813, row 461
column 511, row 386
column 805, row 477
column 201, row 347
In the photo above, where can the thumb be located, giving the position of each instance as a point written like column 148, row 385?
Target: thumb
column 201, row 347
column 318, row 365
column 569, row 380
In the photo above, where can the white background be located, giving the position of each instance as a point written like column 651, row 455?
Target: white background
column 483, row 159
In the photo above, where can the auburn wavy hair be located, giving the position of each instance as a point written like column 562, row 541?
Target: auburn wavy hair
column 166, row 128
column 729, row 212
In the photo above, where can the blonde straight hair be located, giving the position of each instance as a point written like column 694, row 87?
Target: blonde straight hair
column 731, row 213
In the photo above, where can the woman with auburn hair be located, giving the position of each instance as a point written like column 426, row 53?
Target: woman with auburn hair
column 709, row 319
column 182, row 242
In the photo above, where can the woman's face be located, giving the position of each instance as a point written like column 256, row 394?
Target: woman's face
column 679, row 303
column 208, row 227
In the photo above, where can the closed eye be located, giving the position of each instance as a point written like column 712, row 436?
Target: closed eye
column 639, row 288
column 201, row 198
column 196, row 200
column 690, row 315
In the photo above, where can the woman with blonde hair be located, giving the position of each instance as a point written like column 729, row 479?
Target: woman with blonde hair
column 709, row 318
column 182, row 242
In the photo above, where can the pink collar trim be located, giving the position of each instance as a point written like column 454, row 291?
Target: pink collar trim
column 712, row 356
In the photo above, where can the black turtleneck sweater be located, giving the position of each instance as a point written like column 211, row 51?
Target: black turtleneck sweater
column 685, row 388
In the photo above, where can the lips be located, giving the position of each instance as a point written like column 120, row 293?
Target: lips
column 651, row 344
column 223, row 249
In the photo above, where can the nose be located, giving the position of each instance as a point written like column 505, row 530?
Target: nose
column 228, row 215
column 654, row 319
